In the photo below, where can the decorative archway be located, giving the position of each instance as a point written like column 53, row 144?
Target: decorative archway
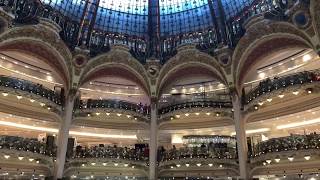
column 117, row 62
column 43, row 44
column 187, row 61
column 263, row 38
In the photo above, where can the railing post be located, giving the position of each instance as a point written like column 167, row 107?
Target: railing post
column 153, row 143
column 240, row 127
column 63, row 136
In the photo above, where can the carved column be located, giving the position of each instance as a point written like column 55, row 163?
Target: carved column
column 240, row 127
column 153, row 143
column 63, row 136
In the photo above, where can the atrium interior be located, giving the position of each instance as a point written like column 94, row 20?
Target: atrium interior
column 160, row 89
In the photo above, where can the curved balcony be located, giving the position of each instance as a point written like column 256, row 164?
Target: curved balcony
column 28, row 93
column 126, row 161
column 290, row 147
column 28, row 155
column 94, row 108
column 279, row 84
column 295, row 154
column 201, row 108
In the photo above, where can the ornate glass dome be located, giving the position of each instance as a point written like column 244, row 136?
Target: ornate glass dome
column 132, row 17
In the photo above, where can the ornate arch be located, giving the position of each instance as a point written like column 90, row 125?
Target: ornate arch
column 43, row 44
column 264, row 37
column 190, row 58
column 120, row 60
column 315, row 15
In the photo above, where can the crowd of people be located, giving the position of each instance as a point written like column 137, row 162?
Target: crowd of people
column 196, row 104
column 26, row 144
column 24, row 85
column 137, row 153
column 220, row 151
column 108, row 103
column 289, row 143
column 269, row 85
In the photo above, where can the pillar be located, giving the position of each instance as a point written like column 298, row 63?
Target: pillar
column 63, row 136
column 240, row 127
column 153, row 143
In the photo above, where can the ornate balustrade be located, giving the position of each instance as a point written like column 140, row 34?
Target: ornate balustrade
column 290, row 143
column 196, row 104
column 91, row 107
column 279, row 83
column 19, row 86
column 216, row 151
column 9, row 143
column 108, row 152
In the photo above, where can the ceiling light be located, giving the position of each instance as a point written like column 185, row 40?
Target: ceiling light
column 38, row 128
column 104, row 164
column 295, row 92
column 82, row 165
column 220, row 166
column 171, row 167
column 132, row 167
column 93, row 164
column 88, row 114
column 178, row 165
column 253, row 131
column 20, row 158
column 307, row 157
column 37, row 162
column 49, row 78
column 309, row 91
column 208, row 113
column 108, row 114
column 290, row 158
column 126, row 165
column 260, row 103
column 197, row 114
column 32, row 100
column 210, row 165
column 177, row 116
column 269, row 99
column 187, row 164
column 171, row 118
column 116, row 164
column 6, row 156
column 268, row 161
column 4, row 94
column 128, row 116
column 187, row 114
column 19, row 97
column 281, row 95
column 298, row 124
column 119, row 114
column 306, row 58
column 42, row 104
column 262, row 75
column 277, row 160
column 217, row 114
column 256, row 107
column 30, row 159
column 97, row 113
column 198, row 164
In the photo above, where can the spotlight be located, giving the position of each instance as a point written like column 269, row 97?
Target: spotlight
column 269, row 99
column 210, row 165
column 5, row 94
column 19, row 97
column 291, row 158
column 178, row 165
column 295, row 92
column 281, row 95
column 20, row 158
column 187, row 164
column 6, row 156
column 199, row 164
column 277, row 160
column 307, row 157
column 268, row 161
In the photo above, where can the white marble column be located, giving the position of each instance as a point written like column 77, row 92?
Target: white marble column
column 63, row 136
column 240, row 127
column 153, row 143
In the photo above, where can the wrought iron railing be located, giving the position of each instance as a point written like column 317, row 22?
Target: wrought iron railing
column 289, row 143
column 99, row 41
column 26, row 144
column 278, row 83
column 30, row 87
